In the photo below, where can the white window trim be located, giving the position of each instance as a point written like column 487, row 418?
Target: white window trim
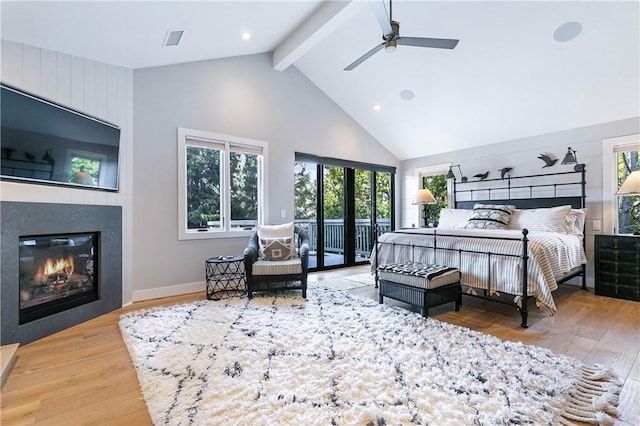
column 219, row 139
column 609, row 185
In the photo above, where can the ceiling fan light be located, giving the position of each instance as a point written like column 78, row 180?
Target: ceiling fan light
column 390, row 45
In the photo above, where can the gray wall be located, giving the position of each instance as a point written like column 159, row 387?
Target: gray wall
column 522, row 155
column 241, row 96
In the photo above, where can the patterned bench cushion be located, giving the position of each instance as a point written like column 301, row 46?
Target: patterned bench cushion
column 420, row 275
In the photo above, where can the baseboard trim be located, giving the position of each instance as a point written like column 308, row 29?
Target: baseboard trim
column 168, row 291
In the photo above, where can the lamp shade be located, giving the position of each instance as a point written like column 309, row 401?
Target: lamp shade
column 423, row 196
column 450, row 174
column 631, row 185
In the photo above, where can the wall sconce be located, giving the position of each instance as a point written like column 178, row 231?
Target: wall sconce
column 423, row 197
column 451, row 175
column 572, row 158
column 630, row 188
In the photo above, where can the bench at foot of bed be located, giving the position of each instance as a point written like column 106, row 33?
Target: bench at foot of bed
column 420, row 284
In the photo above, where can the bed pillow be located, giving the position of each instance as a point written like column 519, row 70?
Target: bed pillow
column 575, row 221
column 490, row 216
column 454, row 218
column 276, row 241
column 551, row 219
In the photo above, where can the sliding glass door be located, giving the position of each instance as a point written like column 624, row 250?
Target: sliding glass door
column 341, row 205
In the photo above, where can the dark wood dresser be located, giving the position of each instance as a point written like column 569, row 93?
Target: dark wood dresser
column 617, row 266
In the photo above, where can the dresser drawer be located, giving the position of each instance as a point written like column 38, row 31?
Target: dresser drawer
column 617, row 266
column 629, row 244
column 611, row 265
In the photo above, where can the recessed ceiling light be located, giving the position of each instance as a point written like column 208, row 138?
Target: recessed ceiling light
column 173, row 37
column 567, row 31
column 246, row 36
column 407, row 95
column 376, row 107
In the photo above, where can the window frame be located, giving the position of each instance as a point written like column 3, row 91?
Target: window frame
column 226, row 144
column 610, row 148
column 414, row 216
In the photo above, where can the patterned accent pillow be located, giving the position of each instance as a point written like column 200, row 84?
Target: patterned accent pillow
column 277, row 248
column 276, row 241
column 490, row 216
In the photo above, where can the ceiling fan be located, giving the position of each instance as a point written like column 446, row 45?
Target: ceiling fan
column 391, row 36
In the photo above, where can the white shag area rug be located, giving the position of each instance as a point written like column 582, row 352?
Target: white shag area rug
column 338, row 359
column 348, row 282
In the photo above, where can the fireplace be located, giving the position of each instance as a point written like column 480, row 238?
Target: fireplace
column 56, row 273
column 61, row 265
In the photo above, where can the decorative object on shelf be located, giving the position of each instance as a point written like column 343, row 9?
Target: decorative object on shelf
column 482, row 176
column 631, row 188
column 48, row 157
column 423, row 197
column 548, row 161
column 571, row 158
column 503, row 171
column 29, row 156
column 7, row 152
column 451, row 175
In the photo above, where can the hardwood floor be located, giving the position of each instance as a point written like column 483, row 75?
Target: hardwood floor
column 83, row 375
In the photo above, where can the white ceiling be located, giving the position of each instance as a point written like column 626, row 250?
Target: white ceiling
column 507, row 78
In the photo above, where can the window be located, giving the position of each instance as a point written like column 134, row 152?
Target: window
column 437, row 184
column 86, row 168
column 221, row 184
column 432, row 178
column 627, row 161
column 620, row 158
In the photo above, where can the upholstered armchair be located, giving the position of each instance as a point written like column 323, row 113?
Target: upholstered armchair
column 277, row 258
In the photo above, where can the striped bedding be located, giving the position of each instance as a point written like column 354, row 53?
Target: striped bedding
column 551, row 255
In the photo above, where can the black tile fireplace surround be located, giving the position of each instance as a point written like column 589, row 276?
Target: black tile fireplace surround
column 22, row 219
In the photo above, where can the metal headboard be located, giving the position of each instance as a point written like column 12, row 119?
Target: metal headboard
column 557, row 189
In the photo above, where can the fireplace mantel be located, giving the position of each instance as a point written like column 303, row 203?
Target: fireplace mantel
column 20, row 219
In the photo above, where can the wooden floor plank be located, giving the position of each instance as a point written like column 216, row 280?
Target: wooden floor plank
column 84, row 376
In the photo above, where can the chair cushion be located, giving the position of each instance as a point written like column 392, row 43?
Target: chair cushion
column 277, row 267
column 276, row 242
column 273, row 267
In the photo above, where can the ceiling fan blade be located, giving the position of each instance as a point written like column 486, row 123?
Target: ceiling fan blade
column 381, row 15
column 438, row 43
column 364, row 57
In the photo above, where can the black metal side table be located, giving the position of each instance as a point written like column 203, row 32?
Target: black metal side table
column 225, row 277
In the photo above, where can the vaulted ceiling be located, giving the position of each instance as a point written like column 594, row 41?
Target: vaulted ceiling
column 507, row 78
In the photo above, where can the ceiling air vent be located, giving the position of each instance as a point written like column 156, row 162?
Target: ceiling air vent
column 173, row 37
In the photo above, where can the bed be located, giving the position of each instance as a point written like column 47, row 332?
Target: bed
column 541, row 245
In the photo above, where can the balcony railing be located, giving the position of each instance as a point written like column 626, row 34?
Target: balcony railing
column 334, row 234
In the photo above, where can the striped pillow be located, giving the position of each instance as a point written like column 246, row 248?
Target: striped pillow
column 551, row 219
column 490, row 216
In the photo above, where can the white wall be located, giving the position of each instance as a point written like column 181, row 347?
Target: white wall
column 241, row 96
column 522, row 155
column 98, row 89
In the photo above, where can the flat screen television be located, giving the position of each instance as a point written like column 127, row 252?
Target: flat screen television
column 42, row 142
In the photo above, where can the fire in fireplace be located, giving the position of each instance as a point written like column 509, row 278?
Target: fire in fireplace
column 56, row 273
